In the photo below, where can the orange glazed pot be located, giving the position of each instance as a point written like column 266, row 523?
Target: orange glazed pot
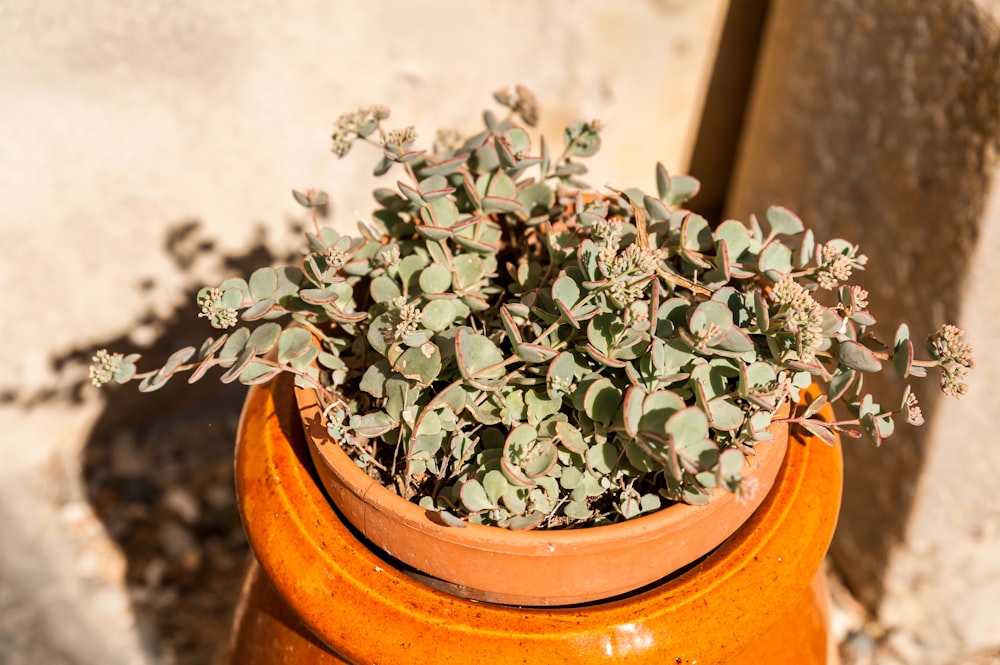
column 538, row 567
column 319, row 593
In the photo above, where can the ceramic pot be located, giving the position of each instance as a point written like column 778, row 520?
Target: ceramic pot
column 538, row 567
column 321, row 594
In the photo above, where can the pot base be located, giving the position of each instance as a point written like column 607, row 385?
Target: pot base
column 320, row 595
column 267, row 632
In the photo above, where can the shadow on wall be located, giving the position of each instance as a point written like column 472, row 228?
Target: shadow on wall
column 877, row 122
column 158, row 470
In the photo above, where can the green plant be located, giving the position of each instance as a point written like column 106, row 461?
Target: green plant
column 505, row 344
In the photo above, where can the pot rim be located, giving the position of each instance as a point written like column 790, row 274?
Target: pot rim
column 480, row 536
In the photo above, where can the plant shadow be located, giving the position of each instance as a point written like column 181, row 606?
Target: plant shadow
column 158, row 471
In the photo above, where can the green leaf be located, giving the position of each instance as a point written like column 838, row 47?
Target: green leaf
column 410, row 268
column 375, row 424
column 730, row 463
column 820, row 431
column 318, row 296
column 259, row 310
column 292, row 343
column 420, row 363
column 736, row 237
column 603, row 331
column 469, row 269
column 264, row 337
column 814, row 406
column 602, row 400
column 840, row 382
column 725, row 414
column 658, row 408
column 566, row 290
column 857, row 356
column 234, row 292
column 438, row 315
column 777, row 257
column 441, row 212
column 602, row 458
column 688, row 426
column 655, row 208
column 635, row 397
column 384, row 289
column 540, row 406
column 245, row 358
column 571, row 438
column 708, row 313
column 696, row 234
column 534, row 353
column 435, row 278
column 542, row 459
column 374, row 378
column 258, row 372
column 536, row 198
column 263, row 282
column 234, row 344
column 807, row 249
column 580, row 140
column 475, row 353
column 662, row 182
column 869, row 426
column 587, row 255
column 176, row 359
column 578, row 510
column 496, row 485
column 498, row 185
column 783, row 221
column 682, row 188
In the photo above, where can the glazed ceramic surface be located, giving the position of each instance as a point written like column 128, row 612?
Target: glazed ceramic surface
column 323, row 594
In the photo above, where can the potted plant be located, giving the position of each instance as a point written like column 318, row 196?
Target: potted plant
column 506, row 352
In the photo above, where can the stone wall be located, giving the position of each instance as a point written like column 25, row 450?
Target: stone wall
column 878, row 121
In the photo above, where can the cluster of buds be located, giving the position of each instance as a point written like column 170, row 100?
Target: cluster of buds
column 105, row 366
column 955, row 357
column 802, row 315
column 836, row 265
column 407, row 319
column 356, row 125
column 215, row 310
column 522, row 102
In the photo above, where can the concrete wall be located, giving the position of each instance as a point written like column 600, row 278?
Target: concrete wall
column 145, row 144
column 879, row 121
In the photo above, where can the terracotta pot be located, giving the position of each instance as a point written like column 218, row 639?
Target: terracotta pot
column 321, row 595
column 539, row 567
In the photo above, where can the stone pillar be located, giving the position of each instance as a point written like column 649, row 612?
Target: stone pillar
column 878, row 121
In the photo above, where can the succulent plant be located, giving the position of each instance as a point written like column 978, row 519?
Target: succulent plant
column 505, row 344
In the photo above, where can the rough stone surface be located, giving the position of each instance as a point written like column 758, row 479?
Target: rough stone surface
column 878, row 122
column 149, row 147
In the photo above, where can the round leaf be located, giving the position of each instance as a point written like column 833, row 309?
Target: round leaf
column 474, row 496
column 688, row 426
column 857, row 356
column 438, row 315
column 435, row 278
column 783, row 221
column 476, row 354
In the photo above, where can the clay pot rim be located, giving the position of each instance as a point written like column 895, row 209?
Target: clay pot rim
column 486, row 537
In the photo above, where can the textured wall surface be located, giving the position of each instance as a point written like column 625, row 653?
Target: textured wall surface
column 149, row 146
column 878, row 121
